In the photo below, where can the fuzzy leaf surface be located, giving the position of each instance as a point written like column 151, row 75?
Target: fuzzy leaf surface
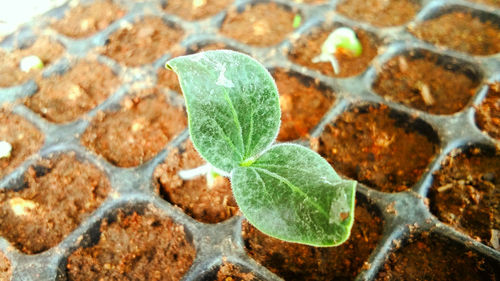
column 292, row 193
column 232, row 104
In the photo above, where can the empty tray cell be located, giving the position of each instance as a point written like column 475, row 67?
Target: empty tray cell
column 134, row 134
column 293, row 261
column 24, row 138
column 142, row 42
column 196, row 9
column 303, row 103
column 208, row 200
column 381, row 148
column 430, row 257
column 488, row 113
column 56, row 196
column 308, row 46
column 65, row 97
column 46, row 49
column 466, row 193
column 473, row 33
column 380, row 13
column 134, row 247
column 85, row 20
column 5, row 269
column 428, row 82
column 261, row 24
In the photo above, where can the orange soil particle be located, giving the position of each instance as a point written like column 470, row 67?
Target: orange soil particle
column 5, row 269
column 488, row 113
column 229, row 272
column 380, row 13
column 196, row 9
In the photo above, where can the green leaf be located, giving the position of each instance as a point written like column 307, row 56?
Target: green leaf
column 293, row 194
column 232, row 104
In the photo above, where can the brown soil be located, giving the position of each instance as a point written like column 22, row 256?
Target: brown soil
column 303, row 104
column 85, row 20
column 378, row 148
column 309, row 46
column 25, row 139
column 432, row 259
column 300, row 262
column 466, row 194
column 488, row 2
column 64, row 98
column 380, row 13
column 46, row 49
column 138, row 131
column 134, row 247
column 209, row 204
column 488, row 113
column 423, row 84
column 263, row 24
column 5, row 270
column 142, row 43
column 57, row 196
column 229, row 272
column 462, row 32
column 195, row 10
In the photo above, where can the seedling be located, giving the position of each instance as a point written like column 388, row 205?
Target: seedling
column 30, row 62
column 5, row 149
column 341, row 40
column 285, row 190
column 297, row 20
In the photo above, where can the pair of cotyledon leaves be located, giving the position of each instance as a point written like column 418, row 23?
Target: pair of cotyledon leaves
column 285, row 190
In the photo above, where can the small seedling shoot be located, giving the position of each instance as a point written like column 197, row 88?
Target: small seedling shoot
column 297, row 20
column 285, row 190
column 5, row 149
column 342, row 40
column 30, row 62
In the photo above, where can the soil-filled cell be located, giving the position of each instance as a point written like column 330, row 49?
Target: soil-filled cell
column 85, row 20
column 134, row 247
column 23, row 136
column 46, row 49
column 488, row 113
column 378, row 147
column 209, row 202
column 57, row 195
column 307, row 47
column 196, row 9
column 142, row 42
column 303, row 104
column 230, row 272
column 64, row 98
column 263, row 24
column 434, row 259
column 461, row 31
column 134, row 134
column 5, row 269
column 301, row 262
column 380, row 13
column 466, row 194
column 425, row 83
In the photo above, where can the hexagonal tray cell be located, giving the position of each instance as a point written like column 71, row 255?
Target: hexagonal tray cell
column 488, row 112
column 65, row 97
column 56, row 196
column 208, row 203
column 133, row 246
column 195, row 9
column 134, row 134
column 300, row 262
column 308, row 46
column 303, row 103
column 23, row 136
column 380, row 13
column 48, row 50
column 85, row 20
column 466, row 193
column 5, row 269
column 428, row 81
column 382, row 148
column 259, row 24
column 431, row 257
column 469, row 31
column 142, row 42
